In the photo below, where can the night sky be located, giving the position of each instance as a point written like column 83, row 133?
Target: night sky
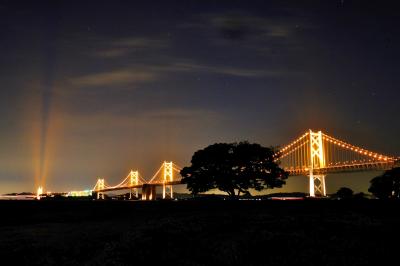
column 95, row 88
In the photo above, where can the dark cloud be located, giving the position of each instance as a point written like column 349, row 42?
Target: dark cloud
column 233, row 28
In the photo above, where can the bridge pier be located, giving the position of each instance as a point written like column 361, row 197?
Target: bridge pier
column 167, row 188
column 100, row 195
column 317, row 185
column 134, row 191
column 148, row 192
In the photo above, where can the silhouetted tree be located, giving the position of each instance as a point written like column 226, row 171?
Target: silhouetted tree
column 233, row 168
column 387, row 185
column 344, row 193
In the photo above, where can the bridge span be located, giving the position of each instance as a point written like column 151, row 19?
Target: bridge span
column 164, row 177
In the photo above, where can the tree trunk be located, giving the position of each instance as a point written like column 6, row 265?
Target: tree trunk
column 231, row 194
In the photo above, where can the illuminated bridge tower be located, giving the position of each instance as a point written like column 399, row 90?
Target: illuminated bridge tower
column 134, row 181
column 100, row 188
column 317, row 161
column 168, row 177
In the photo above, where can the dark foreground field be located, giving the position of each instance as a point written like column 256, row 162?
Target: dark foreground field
column 199, row 233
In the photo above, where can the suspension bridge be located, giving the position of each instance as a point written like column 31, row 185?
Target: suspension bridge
column 313, row 154
column 166, row 177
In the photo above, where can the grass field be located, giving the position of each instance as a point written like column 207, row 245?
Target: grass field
column 199, row 232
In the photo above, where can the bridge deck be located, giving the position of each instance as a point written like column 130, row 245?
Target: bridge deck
column 344, row 168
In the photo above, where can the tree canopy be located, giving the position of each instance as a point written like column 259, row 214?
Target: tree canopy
column 345, row 193
column 233, row 168
column 387, row 185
